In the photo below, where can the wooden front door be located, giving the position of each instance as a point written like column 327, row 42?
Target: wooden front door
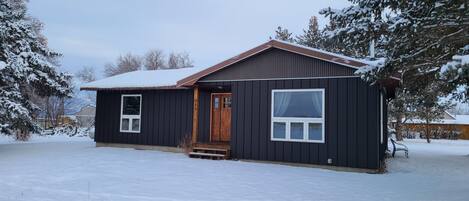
column 220, row 127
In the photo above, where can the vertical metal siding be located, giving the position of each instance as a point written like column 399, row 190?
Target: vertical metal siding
column 166, row 117
column 352, row 116
column 276, row 63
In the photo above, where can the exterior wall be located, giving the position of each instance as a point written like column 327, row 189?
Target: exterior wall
column 384, row 145
column 351, row 126
column 276, row 63
column 166, row 117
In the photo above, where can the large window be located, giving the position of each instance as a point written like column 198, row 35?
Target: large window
column 130, row 113
column 298, row 115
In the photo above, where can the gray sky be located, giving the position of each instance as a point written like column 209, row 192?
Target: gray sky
column 93, row 32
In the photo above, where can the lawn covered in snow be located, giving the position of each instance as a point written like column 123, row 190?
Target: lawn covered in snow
column 64, row 168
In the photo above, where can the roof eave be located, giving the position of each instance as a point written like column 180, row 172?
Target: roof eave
column 192, row 79
column 130, row 88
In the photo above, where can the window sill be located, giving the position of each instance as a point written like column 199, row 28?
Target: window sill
column 122, row 131
column 292, row 140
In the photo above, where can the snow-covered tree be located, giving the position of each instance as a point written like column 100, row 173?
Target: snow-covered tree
column 283, row 34
column 125, row 63
column 311, row 37
column 27, row 66
column 455, row 75
column 415, row 38
column 154, row 59
column 430, row 107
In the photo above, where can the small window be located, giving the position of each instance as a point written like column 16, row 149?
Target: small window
column 216, row 102
column 298, row 115
column 130, row 113
column 227, row 102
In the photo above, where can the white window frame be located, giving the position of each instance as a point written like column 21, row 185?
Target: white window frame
column 130, row 117
column 305, row 121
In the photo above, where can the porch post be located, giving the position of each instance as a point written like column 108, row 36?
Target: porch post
column 195, row 115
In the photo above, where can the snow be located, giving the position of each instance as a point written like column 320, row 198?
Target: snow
column 372, row 66
column 73, row 169
column 143, row 79
column 2, row 65
column 346, row 59
column 458, row 60
column 459, row 120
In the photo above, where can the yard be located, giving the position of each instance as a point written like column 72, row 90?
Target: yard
column 63, row 168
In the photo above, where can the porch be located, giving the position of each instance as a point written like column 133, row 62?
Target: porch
column 211, row 134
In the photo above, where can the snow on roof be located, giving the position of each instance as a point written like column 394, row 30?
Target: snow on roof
column 345, row 58
column 142, row 79
column 458, row 119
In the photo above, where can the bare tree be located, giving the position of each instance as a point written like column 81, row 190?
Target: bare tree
column 154, row 59
column 86, row 74
column 55, row 109
column 185, row 60
column 180, row 60
column 124, row 64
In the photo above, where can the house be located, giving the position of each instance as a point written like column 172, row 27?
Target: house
column 276, row 102
column 449, row 126
column 85, row 116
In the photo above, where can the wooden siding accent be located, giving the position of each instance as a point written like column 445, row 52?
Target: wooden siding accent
column 277, row 63
column 351, row 132
column 205, row 90
column 165, row 119
column 195, row 115
column 220, row 118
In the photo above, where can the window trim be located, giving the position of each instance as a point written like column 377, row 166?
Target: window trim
column 130, row 117
column 305, row 121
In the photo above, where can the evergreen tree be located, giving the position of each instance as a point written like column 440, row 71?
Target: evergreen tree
column 312, row 36
column 416, row 38
column 27, row 66
column 283, row 34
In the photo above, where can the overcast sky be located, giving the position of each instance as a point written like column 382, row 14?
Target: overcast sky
column 93, row 32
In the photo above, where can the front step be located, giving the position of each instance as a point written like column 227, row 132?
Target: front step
column 206, row 155
column 206, row 152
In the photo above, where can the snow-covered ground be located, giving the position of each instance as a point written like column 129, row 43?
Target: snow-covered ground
column 64, row 168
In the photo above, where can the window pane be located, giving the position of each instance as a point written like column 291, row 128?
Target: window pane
column 307, row 104
column 125, row 124
column 315, row 131
column 131, row 105
column 279, row 130
column 296, row 131
column 227, row 102
column 135, row 124
column 216, row 102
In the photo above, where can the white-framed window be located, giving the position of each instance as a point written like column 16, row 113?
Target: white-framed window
column 298, row 115
column 131, row 109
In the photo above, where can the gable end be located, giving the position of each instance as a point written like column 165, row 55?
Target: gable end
column 276, row 63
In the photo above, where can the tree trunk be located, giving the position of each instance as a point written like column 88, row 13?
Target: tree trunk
column 427, row 131
column 398, row 128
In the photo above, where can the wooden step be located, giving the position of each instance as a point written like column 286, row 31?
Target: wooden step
column 206, row 155
column 209, row 149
